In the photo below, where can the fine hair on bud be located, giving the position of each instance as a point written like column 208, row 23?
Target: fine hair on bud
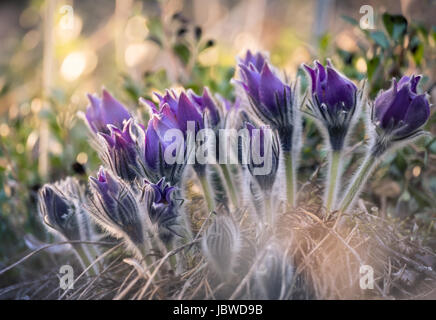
column 113, row 205
column 221, row 245
column 59, row 205
column 273, row 276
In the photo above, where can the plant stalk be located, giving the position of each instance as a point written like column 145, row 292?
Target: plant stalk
column 332, row 181
column 230, row 187
column 290, row 179
column 207, row 192
column 359, row 180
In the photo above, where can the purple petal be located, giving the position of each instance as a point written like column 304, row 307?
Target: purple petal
column 417, row 114
column 187, row 112
column 114, row 112
column 151, row 146
column 270, row 88
column 398, row 108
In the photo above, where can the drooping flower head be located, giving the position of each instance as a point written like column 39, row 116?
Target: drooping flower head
column 175, row 114
column 206, row 105
column 162, row 208
column 59, row 206
column 121, row 151
column 264, row 155
column 334, row 101
column 113, row 206
column 400, row 110
column 271, row 100
column 257, row 60
column 105, row 111
column 331, row 88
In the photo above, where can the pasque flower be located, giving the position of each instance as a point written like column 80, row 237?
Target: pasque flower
column 59, row 206
column 173, row 113
column 264, row 156
column 105, row 111
column 121, row 150
column 206, row 105
column 162, row 208
column 277, row 104
column 400, row 111
column 334, row 102
column 113, row 205
column 397, row 117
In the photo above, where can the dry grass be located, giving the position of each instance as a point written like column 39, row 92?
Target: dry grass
column 327, row 253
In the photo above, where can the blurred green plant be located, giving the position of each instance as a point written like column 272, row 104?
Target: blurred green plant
column 399, row 47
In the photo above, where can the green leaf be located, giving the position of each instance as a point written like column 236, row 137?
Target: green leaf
column 380, row 38
column 350, row 20
column 372, row 66
column 182, row 52
column 396, row 25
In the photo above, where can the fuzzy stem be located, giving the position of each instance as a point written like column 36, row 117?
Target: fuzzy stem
column 207, row 192
column 172, row 258
column 290, row 179
column 332, row 180
column 359, row 180
column 268, row 211
column 229, row 182
column 84, row 260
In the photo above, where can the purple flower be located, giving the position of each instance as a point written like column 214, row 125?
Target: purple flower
column 268, row 94
column 174, row 113
column 162, row 192
column 59, row 204
column 271, row 100
column 162, row 208
column 121, row 152
column 334, row 102
column 106, row 111
column 114, row 207
column 257, row 60
column 331, row 88
column 264, row 155
column 400, row 109
column 206, row 104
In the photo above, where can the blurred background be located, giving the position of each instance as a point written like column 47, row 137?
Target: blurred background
column 54, row 52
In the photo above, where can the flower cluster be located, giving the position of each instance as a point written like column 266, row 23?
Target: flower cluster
column 138, row 194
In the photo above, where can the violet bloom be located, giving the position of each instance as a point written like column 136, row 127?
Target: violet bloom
column 400, row 111
column 173, row 113
column 162, row 209
column 257, row 60
column 271, row 100
column 106, row 111
column 206, row 105
column 397, row 115
column 59, row 206
column 121, row 152
column 334, row 102
column 113, row 206
column 264, row 156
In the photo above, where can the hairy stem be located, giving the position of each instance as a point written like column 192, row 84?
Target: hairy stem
column 332, row 180
column 290, row 179
column 207, row 191
column 358, row 181
column 84, row 259
column 268, row 210
column 230, row 187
